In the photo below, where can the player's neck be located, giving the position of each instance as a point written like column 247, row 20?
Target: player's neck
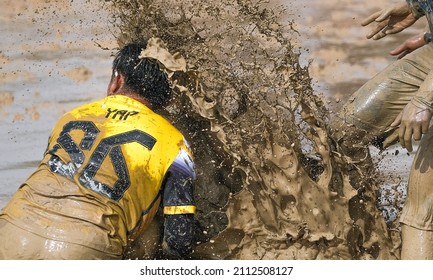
column 133, row 95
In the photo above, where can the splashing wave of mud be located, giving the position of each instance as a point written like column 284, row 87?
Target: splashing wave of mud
column 259, row 133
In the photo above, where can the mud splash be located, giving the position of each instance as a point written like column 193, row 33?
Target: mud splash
column 260, row 137
column 259, row 131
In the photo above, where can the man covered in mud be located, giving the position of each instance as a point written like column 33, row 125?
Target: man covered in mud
column 107, row 168
column 397, row 104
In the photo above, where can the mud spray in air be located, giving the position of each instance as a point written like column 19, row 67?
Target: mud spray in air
column 259, row 134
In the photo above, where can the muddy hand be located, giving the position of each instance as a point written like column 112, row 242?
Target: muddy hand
column 413, row 121
column 390, row 140
column 389, row 21
column 409, row 46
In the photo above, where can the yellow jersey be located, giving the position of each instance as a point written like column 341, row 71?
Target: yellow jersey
column 102, row 174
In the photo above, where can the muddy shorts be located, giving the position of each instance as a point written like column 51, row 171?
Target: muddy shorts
column 19, row 244
column 375, row 105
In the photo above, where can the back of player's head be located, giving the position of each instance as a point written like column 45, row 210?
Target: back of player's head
column 142, row 75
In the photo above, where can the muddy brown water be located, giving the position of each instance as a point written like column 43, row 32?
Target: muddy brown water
column 256, row 199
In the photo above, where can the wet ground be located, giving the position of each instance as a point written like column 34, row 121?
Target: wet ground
column 51, row 60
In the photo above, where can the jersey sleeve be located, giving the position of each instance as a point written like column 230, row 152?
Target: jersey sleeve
column 415, row 8
column 178, row 195
column 179, row 206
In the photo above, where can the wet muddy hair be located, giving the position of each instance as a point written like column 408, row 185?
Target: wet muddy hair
column 142, row 75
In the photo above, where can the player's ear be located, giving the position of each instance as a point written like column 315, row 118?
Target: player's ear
column 116, row 83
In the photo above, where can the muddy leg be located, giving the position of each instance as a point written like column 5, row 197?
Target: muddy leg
column 417, row 214
column 417, row 244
